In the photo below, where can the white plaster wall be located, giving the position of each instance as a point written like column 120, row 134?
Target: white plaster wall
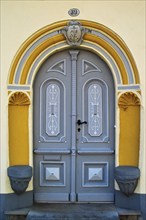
column 20, row 19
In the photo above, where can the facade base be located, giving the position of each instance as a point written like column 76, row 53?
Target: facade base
column 9, row 202
column 135, row 201
column 12, row 201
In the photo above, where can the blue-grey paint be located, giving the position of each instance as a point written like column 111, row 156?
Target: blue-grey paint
column 12, row 201
column 73, row 212
column 100, row 151
column 73, row 12
column 29, row 51
column 26, row 88
column 118, row 78
column 19, row 177
column 58, row 192
column 73, row 54
column 143, row 205
column 98, row 34
column 127, row 178
column 119, row 51
column 135, row 201
column 50, row 151
column 44, row 54
column 75, row 86
column 41, row 57
column 129, row 87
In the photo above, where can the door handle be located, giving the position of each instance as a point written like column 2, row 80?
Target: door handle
column 79, row 122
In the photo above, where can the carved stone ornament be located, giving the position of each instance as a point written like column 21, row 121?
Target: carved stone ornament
column 19, row 176
column 128, row 99
column 19, row 98
column 74, row 33
column 127, row 178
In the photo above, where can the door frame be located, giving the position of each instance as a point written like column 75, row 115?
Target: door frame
column 108, row 46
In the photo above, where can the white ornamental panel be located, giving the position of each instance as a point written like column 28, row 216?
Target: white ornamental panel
column 53, row 110
column 95, row 110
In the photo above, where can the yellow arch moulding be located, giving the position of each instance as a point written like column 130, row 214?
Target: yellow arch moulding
column 60, row 38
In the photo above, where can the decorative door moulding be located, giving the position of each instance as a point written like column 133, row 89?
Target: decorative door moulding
column 93, row 36
column 85, row 35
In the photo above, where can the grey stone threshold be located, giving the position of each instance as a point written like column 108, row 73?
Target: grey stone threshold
column 76, row 211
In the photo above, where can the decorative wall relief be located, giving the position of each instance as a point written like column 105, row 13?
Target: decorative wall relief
column 129, row 105
column 74, row 33
column 18, row 111
column 128, row 99
column 19, row 98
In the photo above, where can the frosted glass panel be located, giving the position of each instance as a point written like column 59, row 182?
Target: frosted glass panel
column 95, row 110
column 53, row 110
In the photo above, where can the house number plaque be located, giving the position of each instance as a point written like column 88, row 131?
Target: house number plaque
column 73, row 12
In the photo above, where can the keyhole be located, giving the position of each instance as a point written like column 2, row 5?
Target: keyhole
column 79, row 129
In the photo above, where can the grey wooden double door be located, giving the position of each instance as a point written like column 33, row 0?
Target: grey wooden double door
column 74, row 129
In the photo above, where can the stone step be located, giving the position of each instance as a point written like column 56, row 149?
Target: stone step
column 18, row 214
column 129, row 214
column 73, row 212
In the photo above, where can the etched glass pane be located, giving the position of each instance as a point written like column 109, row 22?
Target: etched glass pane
column 95, row 110
column 53, row 110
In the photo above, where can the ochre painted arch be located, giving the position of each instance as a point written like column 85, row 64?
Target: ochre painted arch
column 59, row 37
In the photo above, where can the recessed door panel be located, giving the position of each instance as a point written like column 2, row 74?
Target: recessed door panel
column 74, row 129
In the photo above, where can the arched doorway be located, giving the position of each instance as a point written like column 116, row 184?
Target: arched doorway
column 74, row 138
column 36, row 50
